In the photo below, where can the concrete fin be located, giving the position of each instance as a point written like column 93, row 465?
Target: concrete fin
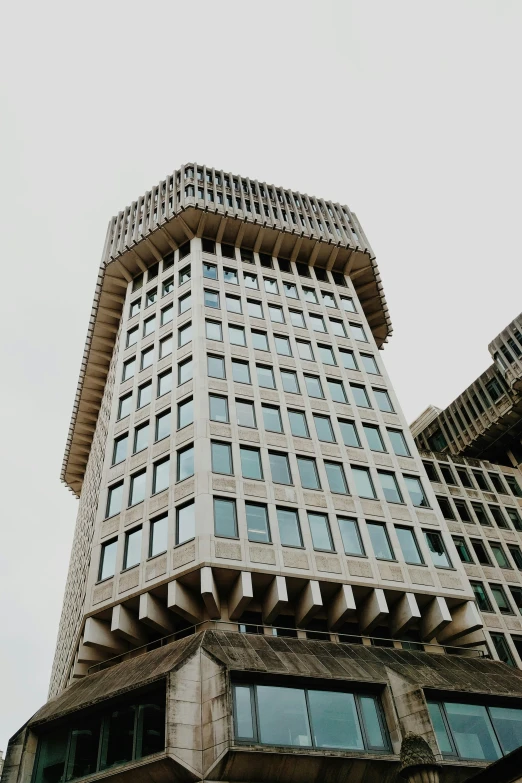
column 210, row 594
column 276, row 599
column 154, row 614
column 308, row 604
column 435, row 616
column 342, row 606
column 125, row 624
column 404, row 612
column 240, row 595
column 183, row 601
column 373, row 610
column 465, row 619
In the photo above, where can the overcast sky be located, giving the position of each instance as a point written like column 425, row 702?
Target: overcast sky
column 407, row 111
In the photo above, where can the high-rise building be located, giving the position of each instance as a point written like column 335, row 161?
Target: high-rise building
column 262, row 584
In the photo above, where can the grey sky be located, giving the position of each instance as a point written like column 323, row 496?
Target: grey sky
column 407, row 111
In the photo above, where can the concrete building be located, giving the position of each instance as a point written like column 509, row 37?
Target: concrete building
column 263, row 585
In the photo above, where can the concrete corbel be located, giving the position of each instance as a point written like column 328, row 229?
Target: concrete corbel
column 309, row 603
column 154, row 614
column 373, row 611
column 240, row 595
column 97, row 633
column 403, row 614
column 210, row 594
column 342, row 606
column 182, row 601
column 435, row 616
column 276, row 599
column 465, row 619
column 126, row 625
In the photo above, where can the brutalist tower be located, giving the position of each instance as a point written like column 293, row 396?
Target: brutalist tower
column 263, row 586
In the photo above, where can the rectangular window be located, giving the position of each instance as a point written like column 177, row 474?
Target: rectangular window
column 184, row 275
column 259, row 340
column 270, row 285
column 320, row 531
column 184, row 303
column 463, row 511
column 149, row 326
column 233, row 304
column 132, row 337
column 462, row 549
column 369, row 364
column 257, row 523
column 298, row 424
column 336, row 389
column 514, row 486
column 184, row 335
column 351, row 537
column 480, row 552
column 516, row 554
column 504, row 654
column 119, row 450
column 515, row 518
column 304, row 349
column 501, row 599
column 374, row 437
column 134, row 308
column 289, row 528
column 290, row 290
column 276, row 314
column 114, row 499
column 360, row 396
column 164, row 383
column 160, row 475
column 308, row 473
column 317, row 323
column 251, row 467
column 221, row 457
column 380, row 541
column 416, row 491
column 437, row 549
column 363, row 482
column 165, row 347
column 398, row 442
column 328, row 299
column 230, row 276
column 338, row 328
column 185, row 371
column 216, row 366
column 132, row 552
column 383, row 401
column 168, row 286
column 265, row 376
column 497, row 483
column 138, row 485
column 431, row 471
column 349, row 433
column 336, row 478
column 214, row 331
column 245, row 412
column 296, row 318
column 124, row 406
column 310, row 295
column 185, row 413
column 240, row 371
column 282, row 345
column 251, row 281
column 185, row 523
column 481, row 597
column 129, row 368
column 107, row 566
column 158, row 535
column 358, row 333
column 236, row 335
column 289, row 380
column 326, row 354
column 211, row 299
column 167, row 314
column 218, row 408
column 313, row 386
column 254, row 308
column 348, row 359
column 323, row 427
column 499, row 555
column 151, row 297
column 498, row 516
column 272, row 418
column 185, row 463
column 409, row 546
column 225, row 520
column 481, row 481
column 141, row 437
column 279, row 468
column 210, row 271
column 390, row 487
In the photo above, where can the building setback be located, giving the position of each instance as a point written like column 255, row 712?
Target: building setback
column 263, row 584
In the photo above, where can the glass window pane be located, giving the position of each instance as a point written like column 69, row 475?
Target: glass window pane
column 313, row 386
column 380, row 542
column 243, row 705
column 240, row 371
column 308, row 473
column 125, row 406
column 213, row 330
column 276, row 314
column 323, row 427
column 298, row 424
column 398, row 442
column 372, row 724
column 185, row 334
column 348, row 360
column 508, row 725
column 164, row 383
column 233, row 303
column 320, row 530
column 236, row 335
column 283, row 717
column 119, row 737
column 289, row 529
column 163, row 425
column 334, row 719
column 132, row 549
column 439, row 726
column 350, row 535
column 290, row 383
column 279, row 468
column 221, row 458
column 416, row 491
column 225, row 518
column 185, row 303
column 211, row 298
column 218, row 408
column 282, row 345
column 120, row 449
column 185, row 370
column 185, row 413
column 158, row 536
column 390, row 487
column 245, row 414
column 186, row 523
column 265, row 376
column 363, row 483
column 374, row 438
column 336, row 390
column 336, row 478
column 83, row 749
column 114, row 499
column 251, row 463
column 383, row 401
column 257, row 522
column 260, row 341
column 437, row 550
column 297, row 318
column 230, row 276
column 349, row 433
column 305, row 351
column 137, row 488
column 472, row 731
column 360, row 396
column 141, row 438
column 108, row 560
column 161, row 476
column 409, row 546
column 185, row 463
column 255, row 309
column 369, row 364
column 272, row 418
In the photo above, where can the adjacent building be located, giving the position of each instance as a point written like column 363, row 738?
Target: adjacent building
column 263, row 584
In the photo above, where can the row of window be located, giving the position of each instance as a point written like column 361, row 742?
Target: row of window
column 464, row 514
column 497, row 591
column 258, row 530
column 481, row 479
column 479, row 548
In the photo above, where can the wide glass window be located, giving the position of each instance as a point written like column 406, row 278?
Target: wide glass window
column 245, row 413
column 347, row 304
column 185, row 523
column 320, row 531
column 230, row 276
column 225, row 521
column 289, row 528
column 210, row 271
column 271, row 285
column 308, row 473
column 279, row 468
column 251, row 281
column 380, row 541
column 211, row 298
column 251, row 467
column 351, row 536
column 221, row 457
column 390, row 487
column 290, row 290
column 409, row 546
column 257, row 522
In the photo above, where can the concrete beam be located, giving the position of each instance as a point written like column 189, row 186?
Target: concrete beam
column 435, row 616
column 403, row 614
column 90, row 655
column 465, row 620
column 97, row 633
column 125, row 624
column 276, row 599
column 154, row 614
column 183, row 601
column 342, row 606
column 210, row 594
column 473, row 639
column 240, row 595
column 373, row 611
column 308, row 604
column 80, row 670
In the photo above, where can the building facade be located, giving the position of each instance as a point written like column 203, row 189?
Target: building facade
column 263, row 584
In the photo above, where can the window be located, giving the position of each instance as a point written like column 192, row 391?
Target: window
column 464, row 478
column 473, row 731
column 462, row 549
column 349, row 433
column 218, row 408
column 445, row 507
column 501, row 599
column 251, row 281
column 313, row 386
column 279, row 468
column 481, row 481
column 363, row 483
column 240, row 371
column 158, row 536
column 137, row 283
column 504, row 654
column 282, row 345
column 328, row 299
column 358, row 333
column 213, row 330
column 416, row 491
column 119, row 451
column 233, row 303
column 380, row 541
column 347, row 304
column 480, row 552
column 141, row 437
column 168, row 286
column 266, row 261
column 149, row 325
column 298, row 424
column 184, row 275
column 369, row 364
column 129, row 368
column 326, row 354
column 221, row 457
column 265, row 376
column 254, row 308
column 165, row 347
column 297, row 319
column 437, row 549
column 138, row 484
column 270, row 285
column 132, row 337
column 308, row 473
column 144, row 394
column 185, row 463
column 215, row 366
column 184, row 303
column 257, row 523
column 348, row 359
column 236, row 335
column 160, row 475
column 481, row 597
column 289, row 528
column 132, row 551
column 251, row 467
column 210, row 271
column 383, row 401
column 185, row 371
column 336, row 478
column 167, row 315
column 107, row 566
column 398, row 442
column 290, row 383
column 323, row 427
column 514, row 486
column 431, row 472
column 228, row 251
column 351, row 537
column 276, row 314
column 317, row 322
column 516, row 554
column 230, row 276
column 409, row 546
column 272, row 418
column 245, row 413
column 185, row 413
column 320, row 531
column 151, row 297
column 515, row 518
column 499, row 555
column 225, row 521
column 153, row 272
column 164, row 383
column 374, row 437
column 290, row 290
column 463, row 511
column 390, row 487
column 304, row 349
column 516, row 594
column 259, row 340
column 338, row 328
column 208, row 245
column 184, row 335
column 310, row 295
column 134, row 308
column 185, row 523
column 303, row 270
column 497, row 483
column 211, row 298
column 498, row 516
column 360, row 395
column 336, row 389
column 124, row 406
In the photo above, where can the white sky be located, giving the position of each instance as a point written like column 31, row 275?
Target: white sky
column 409, row 111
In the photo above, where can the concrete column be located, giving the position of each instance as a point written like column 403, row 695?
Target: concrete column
column 403, row 614
column 373, row 611
column 276, row 599
column 97, row 633
column 126, row 625
column 342, row 606
column 154, row 614
column 183, row 601
column 465, row 620
column 210, row 594
column 435, row 616
column 309, row 603
column 240, row 595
